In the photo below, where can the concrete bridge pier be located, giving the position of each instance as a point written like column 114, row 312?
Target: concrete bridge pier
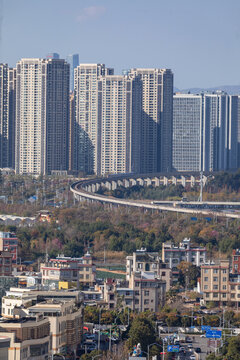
column 114, row 185
column 193, row 181
column 133, row 182
column 148, row 181
column 174, row 180
column 165, row 181
column 183, row 180
column 157, row 181
column 120, row 183
column 108, row 185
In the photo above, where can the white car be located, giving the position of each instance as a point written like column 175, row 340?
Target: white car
column 192, row 357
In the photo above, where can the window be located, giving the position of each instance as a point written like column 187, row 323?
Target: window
column 224, row 271
column 215, row 278
column 224, row 287
column 205, row 271
column 205, row 287
column 232, row 296
column 232, row 287
column 136, row 293
column 215, row 287
column 224, row 278
column 163, row 273
column 224, row 295
column 215, row 271
column 146, row 293
column 146, row 302
column 215, row 295
column 206, row 279
column 207, row 295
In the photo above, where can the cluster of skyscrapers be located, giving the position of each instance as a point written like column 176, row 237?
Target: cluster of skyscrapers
column 57, row 115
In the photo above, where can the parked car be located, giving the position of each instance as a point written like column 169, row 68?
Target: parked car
column 198, row 350
column 192, row 357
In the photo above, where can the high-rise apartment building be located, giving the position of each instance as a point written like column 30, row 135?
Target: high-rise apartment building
column 57, row 115
column 4, row 116
column 71, row 131
column 215, row 129
column 156, row 119
column 7, row 115
column 12, row 114
column 87, row 125
column 119, row 124
column 233, row 129
column 187, row 132
column 42, row 103
column 205, row 132
column 73, row 60
column 123, row 123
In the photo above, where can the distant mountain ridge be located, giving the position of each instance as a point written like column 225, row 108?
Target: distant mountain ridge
column 230, row 89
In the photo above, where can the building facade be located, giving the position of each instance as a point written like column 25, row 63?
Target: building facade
column 156, row 116
column 73, row 60
column 141, row 260
column 29, row 338
column 215, row 282
column 87, row 140
column 66, row 324
column 119, row 125
column 9, row 242
column 4, row 117
column 187, row 132
column 5, row 263
column 42, row 103
column 174, row 255
column 66, row 269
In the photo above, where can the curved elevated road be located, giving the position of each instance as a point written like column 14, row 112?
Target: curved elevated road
column 85, row 190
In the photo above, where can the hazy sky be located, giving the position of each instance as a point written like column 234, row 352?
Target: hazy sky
column 198, row 40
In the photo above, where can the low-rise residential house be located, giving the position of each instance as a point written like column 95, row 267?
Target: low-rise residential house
column 28, row 338
column 236, row 261
column 215, row 282
column 141, row 260
column 174, row 255
column 145, row 292
column 66, row 323
column 5, row 263
column 9, row 242
column 67, row 269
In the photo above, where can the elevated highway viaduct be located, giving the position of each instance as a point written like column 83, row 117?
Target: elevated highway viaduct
column 86, row 190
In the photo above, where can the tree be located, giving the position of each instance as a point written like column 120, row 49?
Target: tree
column 142, row 331
column 233, row 352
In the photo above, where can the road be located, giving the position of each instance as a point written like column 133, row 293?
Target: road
column 197, row 342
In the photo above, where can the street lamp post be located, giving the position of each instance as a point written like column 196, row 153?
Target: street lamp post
column 156, row 345
column 99, row 332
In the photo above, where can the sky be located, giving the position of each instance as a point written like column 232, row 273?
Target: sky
column 198, row 40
